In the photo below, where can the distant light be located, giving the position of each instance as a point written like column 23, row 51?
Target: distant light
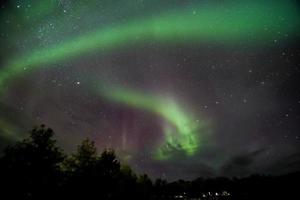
column 225, row 193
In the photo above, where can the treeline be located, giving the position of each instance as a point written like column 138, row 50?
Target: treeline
column 36, row 168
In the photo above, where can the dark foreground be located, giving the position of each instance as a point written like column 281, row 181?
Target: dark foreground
column 36, row 168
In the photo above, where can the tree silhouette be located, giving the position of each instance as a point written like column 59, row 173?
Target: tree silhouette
column 31, row 168
column 144, row 186
column 86, row 171
column 80, row 171
column 127, row 184
column 84, row 159
column 35, row 168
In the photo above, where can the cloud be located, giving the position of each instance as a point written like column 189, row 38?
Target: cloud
column 284, row 165
column 241, row 165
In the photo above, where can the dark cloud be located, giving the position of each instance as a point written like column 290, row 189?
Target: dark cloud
column 290, row 163
column 242, row 165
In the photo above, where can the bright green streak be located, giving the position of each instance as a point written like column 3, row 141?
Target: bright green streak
column 251, row 22
column 180, row 132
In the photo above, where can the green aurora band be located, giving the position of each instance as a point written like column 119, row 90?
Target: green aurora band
column 239, row 23
column 249, row 22
column 181, row 130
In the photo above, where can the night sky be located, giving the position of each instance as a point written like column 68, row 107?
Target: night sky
column 180, row 89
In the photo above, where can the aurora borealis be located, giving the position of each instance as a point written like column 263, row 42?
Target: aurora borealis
column 179, row 88
column 182, row 136
column 208, row 23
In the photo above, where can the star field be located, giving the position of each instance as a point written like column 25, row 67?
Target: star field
column 180, row 89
